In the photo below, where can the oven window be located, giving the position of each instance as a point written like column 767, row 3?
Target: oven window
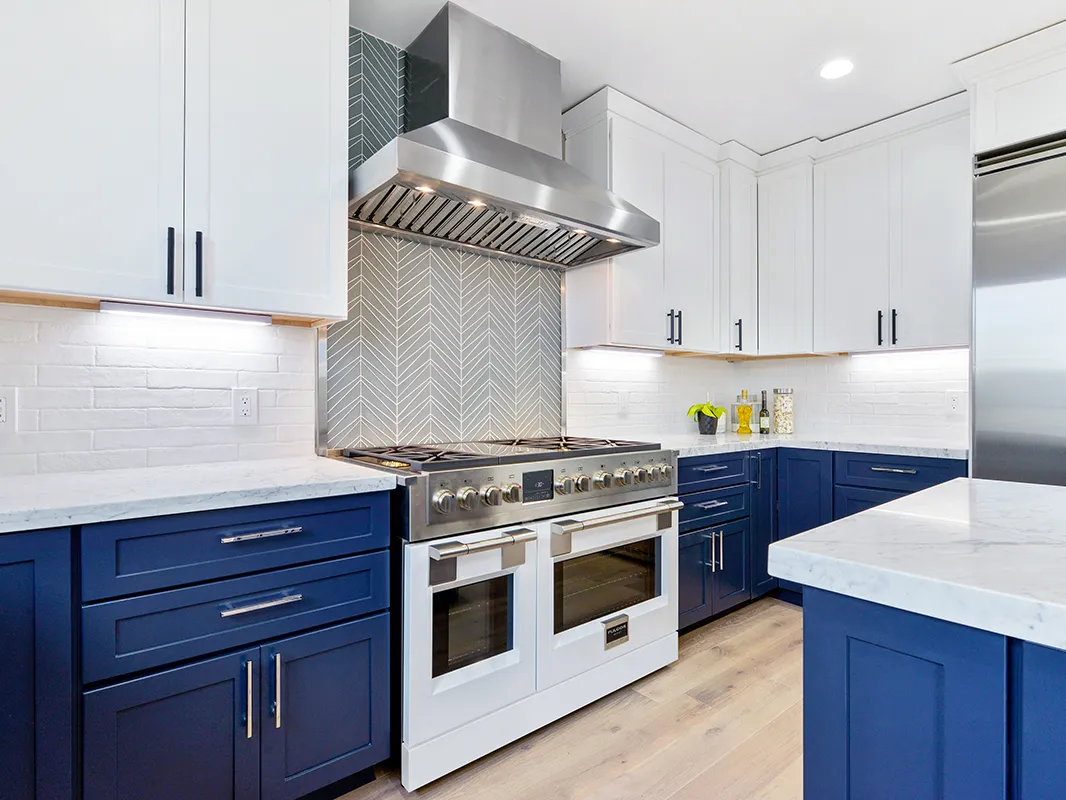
column 601, row 583
column 472, row 623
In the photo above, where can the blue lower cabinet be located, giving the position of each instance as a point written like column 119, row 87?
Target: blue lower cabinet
column 179, row 734
column 901, row 473
column 804, row 494
column 325, row 697
column 1038, row 722
column 898, row 705
column 848, row 500
column 763, row 519
column 36, row 667
column 731, row 578
column 693, row 588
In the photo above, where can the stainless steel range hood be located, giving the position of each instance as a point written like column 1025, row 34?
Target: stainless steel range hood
column 481, row 167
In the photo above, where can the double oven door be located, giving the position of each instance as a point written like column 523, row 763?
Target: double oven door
column 469, row 628
column 607, row 584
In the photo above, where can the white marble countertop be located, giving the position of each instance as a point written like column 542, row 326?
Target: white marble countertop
column 987, row 554
column 887, row 443
column 33, row 502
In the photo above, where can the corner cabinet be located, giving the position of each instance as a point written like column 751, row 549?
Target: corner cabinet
column 36, row 671
column 661, row 297
column 208, row 166
column 892, row 243
column 740, row 260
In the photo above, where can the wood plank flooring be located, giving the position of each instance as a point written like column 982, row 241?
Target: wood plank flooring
column 723, row 722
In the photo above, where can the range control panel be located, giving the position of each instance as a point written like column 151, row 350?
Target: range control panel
column 461, row 500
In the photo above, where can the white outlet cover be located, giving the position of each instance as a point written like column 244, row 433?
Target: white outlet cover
column 245, row 406
column 9, row 400
column 954, row 403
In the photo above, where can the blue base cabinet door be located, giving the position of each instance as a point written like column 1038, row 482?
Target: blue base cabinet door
column 731, row 577
column 804, row 492
column 763, row 474
column 897, row 705
column 1038, row 722
column 36, row 667
column 190, row 732
column 693, row 586
column 848, row 500
column 325, row 697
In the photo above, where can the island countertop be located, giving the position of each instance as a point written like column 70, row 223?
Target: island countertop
column 987, row 554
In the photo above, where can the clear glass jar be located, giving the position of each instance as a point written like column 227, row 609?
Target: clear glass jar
column 784, row 411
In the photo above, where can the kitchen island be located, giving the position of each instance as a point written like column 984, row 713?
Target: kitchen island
column 934, row 631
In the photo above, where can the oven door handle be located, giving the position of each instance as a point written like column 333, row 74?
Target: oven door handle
column 564, row 529
column 439, row 552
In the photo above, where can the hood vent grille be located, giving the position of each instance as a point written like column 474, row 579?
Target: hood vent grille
column 403, row 210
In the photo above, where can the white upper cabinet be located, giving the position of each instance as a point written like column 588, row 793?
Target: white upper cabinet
column 91, row 150
column 892, row 243
column 785, row 260
column 266, row 180
column 851, row 251
column 740, row 260
column 663, row 297
column 931, row 192
column 148, row 121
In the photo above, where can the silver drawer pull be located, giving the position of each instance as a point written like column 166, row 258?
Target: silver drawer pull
column 234, row 611
column 251, row 537
column 573, row 526
column 894, row 470
column 712, row 504
column 455, row 549
column 712, row 468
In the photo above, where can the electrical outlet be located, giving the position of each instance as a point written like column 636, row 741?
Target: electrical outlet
column 955, row 403
column 8, row 409
column 245, row 406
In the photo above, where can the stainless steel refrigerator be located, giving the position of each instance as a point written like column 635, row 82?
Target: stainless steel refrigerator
column 1019, row 308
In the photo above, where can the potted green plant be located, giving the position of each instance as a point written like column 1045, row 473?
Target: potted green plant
column 707, row 416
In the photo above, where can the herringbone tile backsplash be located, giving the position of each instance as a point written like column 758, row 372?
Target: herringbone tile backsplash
column 439, row 345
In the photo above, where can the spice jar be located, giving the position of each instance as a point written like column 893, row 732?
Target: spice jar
column 783, row 411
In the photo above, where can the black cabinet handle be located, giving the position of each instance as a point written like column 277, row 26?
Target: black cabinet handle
column 680, row 333
column 880, row 320
column 170, row 261
column 740, row 334
column 199, row 263
column 670, row 316
column 894, row 339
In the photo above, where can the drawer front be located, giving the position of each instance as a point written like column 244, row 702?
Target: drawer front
column 901, row 473
column 146, row 555
column 848, row 500
column 138, row 633
column 714, row 507
column 710, row 472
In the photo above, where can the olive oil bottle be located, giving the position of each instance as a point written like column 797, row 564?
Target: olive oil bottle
column 764, row 416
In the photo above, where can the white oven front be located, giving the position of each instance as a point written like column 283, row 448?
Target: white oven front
column 607, row 586
column 469, row 628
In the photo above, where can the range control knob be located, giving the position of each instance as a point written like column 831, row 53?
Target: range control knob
column 625, row 477
column 668, row 471
column 513, row 493
column 468, row 498
column 603, row 480
column 492, row 495
column 565, row 485
column 444, row 501
column 655, row 473
column 583, row 483
column 641, row 474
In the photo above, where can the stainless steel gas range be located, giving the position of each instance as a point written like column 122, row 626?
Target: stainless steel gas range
column 538, row 575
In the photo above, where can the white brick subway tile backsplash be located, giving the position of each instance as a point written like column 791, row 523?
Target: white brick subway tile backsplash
column 100, row 391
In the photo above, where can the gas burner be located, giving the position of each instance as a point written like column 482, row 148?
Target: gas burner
column 419, row 458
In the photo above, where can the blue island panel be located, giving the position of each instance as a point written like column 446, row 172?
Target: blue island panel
column 1038, row 722
column 897, row 705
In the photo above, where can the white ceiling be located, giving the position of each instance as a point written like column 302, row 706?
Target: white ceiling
column 747, row 70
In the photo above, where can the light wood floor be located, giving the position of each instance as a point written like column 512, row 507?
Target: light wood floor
column 723, row 722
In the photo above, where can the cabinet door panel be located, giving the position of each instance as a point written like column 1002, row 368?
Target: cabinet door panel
column 851, row 251
column 689, row 242
column 740, row 256
column 176, row 735
column 91, row 146
column 266, row 155
column 1038, row 721
column 334, row 718
column 805, row 493
column 693, row 585
column 763, row 519
column 36, row 673
column 732, row 577
column 786, row 307
column 638, row 308
column 932, row 201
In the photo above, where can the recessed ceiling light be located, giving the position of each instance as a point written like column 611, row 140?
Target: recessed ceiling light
column 425, row 189
column 477, row 203
column 837, row 68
